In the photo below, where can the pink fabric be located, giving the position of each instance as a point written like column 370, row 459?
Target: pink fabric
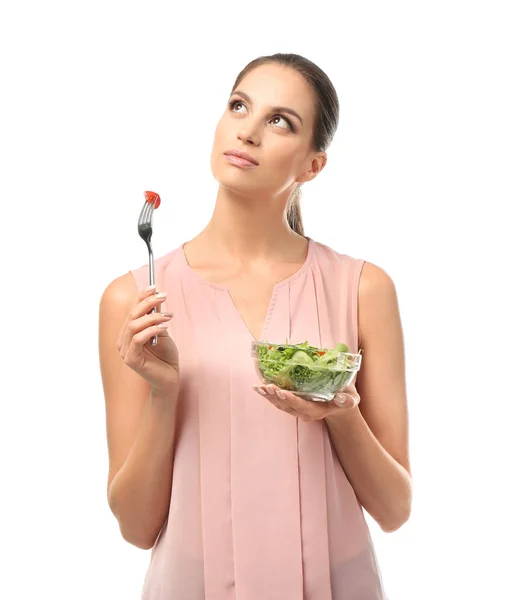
column 261, row 508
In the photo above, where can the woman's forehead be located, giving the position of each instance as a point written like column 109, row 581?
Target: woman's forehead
column 271, row 85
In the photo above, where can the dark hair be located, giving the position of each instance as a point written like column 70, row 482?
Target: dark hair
column 326, row 119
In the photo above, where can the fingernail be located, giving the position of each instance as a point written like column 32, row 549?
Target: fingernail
column 341, row 399
column 262, row 391
column 270, row 389
column 150, row 288
column 161, row 295
column 280, row 394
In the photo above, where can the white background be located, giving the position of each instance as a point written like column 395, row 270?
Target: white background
column 102, row 100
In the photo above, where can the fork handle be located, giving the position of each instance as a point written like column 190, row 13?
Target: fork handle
column 154, row 340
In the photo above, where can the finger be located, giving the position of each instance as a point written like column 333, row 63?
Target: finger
column 146, row 302
column 152, row 301
column 136, row 326
column 273, row 398
column 147, row 298
column 144, row 307
column 287, row 400
column 291, row 400
column 142, row 295
column 276, row 395
column 340, row 399
column 135, row 350
column 283, row 403
column 147, row 292
column 344, row 400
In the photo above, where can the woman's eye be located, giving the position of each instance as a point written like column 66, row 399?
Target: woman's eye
column 233, row 104
column 289, row 124
column 280, row 117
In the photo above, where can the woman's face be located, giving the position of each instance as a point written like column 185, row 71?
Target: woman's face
column 276, row 139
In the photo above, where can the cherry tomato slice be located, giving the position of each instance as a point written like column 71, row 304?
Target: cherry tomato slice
column 153, row 198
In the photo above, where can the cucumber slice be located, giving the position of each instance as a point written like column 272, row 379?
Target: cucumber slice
column 342, row 347
column 301, row 358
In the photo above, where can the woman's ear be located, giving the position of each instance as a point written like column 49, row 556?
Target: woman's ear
column 317, row 165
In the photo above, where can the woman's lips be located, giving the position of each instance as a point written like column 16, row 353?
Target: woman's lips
column 239, row 162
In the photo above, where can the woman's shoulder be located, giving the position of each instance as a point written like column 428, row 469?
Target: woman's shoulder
column 370, row 274
column 330, row 255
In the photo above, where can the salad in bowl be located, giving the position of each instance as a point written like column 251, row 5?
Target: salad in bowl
column 307, row 371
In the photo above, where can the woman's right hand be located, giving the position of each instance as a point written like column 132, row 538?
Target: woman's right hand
column 159, row 364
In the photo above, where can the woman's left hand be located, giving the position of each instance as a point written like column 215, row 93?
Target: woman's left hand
column 309, row 410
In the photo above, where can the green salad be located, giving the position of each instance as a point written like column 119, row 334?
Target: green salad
column 305, row 368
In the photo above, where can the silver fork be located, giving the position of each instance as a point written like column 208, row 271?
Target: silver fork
column 145, row 231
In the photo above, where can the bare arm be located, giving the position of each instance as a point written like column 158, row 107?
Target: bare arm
column 140, row 425
column 371, row 440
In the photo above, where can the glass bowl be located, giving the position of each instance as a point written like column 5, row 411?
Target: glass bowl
column 309, row 372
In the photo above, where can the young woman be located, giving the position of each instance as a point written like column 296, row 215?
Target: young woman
column 244, row 491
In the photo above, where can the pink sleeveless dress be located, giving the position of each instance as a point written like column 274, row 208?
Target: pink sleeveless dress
column 261, row 508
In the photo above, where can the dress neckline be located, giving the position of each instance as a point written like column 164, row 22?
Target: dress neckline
column 295, row 275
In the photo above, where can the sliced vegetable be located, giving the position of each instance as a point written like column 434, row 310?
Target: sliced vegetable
column 153, row 198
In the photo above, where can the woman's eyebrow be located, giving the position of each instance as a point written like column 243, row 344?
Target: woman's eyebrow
column 275, row 108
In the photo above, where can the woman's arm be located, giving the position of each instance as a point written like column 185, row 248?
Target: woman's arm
column 139, row 493
column 371, row 440
column 140, row 425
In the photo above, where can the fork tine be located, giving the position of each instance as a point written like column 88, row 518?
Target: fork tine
column 146, row 214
